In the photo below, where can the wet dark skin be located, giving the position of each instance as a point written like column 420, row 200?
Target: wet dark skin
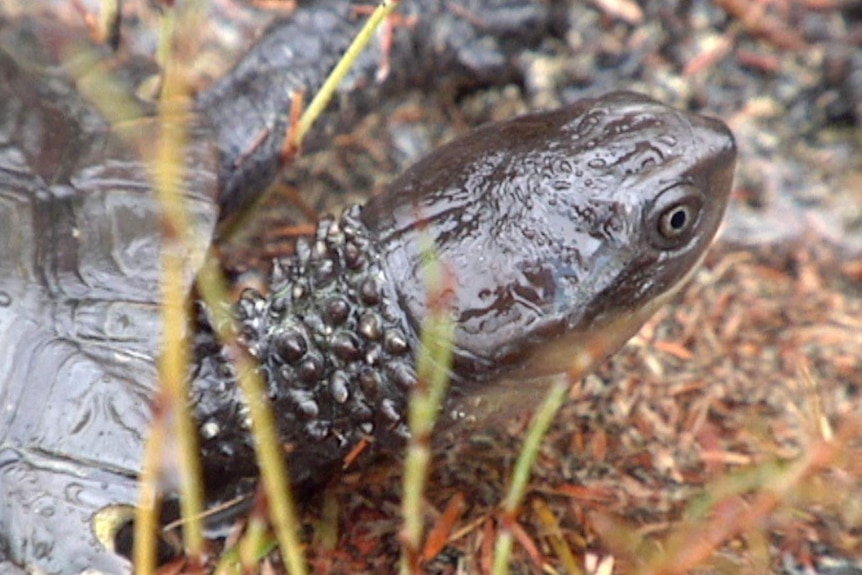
column 562, row 232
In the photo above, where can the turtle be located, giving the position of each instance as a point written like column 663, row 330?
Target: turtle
column 564, row 231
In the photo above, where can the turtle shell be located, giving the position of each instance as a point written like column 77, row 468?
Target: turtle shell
column 80, row 253
column 80, row 327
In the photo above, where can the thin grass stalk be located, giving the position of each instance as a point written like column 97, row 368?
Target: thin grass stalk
column 120, row 109
column 324, row 95
column 95, row 82
column 326, row 529
column 555, row 537
column 542, row 420
column 168, row 171
column 112, row 100
column 212, row 288
column 256, row 542
column 433, row 364
column 146, row 512
column 273, row 468
column 174, row 110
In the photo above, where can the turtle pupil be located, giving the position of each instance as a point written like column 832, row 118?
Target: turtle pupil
column 675, row 222
column 678, row 219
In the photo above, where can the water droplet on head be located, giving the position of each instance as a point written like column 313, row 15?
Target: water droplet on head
column 46, row 510
column 210, row 429
column 42, row 549
column 5, row 299
column 73, row 493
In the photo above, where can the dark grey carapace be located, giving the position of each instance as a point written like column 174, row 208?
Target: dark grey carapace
column 563, row 230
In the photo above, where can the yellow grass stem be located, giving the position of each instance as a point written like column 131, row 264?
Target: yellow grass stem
column 273, row 469
column 146, row 512
column 326, row 529
column 327, row 91
column 523, row 466
column 433, row 362
column 255, row 543
column 554, row 535
column 168, row 171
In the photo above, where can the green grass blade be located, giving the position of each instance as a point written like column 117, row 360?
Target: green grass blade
column 273, row 468
column 327, row 91
column 523, row 466
column 433, row 363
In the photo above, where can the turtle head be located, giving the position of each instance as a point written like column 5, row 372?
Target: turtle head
column 562, row 231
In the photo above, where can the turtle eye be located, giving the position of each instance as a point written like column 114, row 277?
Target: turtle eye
column 673, row 217
column 675, row 221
